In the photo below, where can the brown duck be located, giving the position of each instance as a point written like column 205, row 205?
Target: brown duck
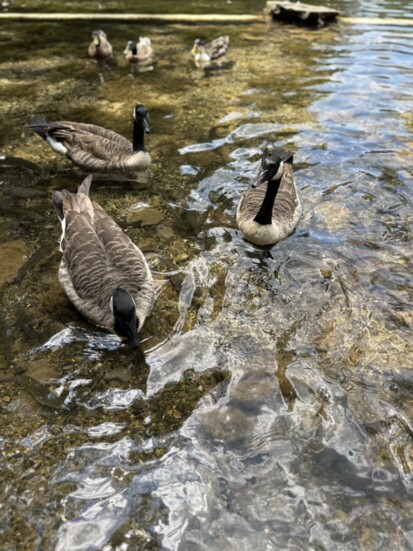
column 100, row 48
column 205, row 53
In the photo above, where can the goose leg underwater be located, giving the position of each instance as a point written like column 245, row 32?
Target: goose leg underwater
column 103, row 273
column 270, row 209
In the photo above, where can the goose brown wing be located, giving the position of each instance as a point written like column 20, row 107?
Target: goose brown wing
column 128, row 266
column 251, row 202
column 286, row 202
column 92, row 146
column 85, row 258
column 97, row 154
column 98, row 131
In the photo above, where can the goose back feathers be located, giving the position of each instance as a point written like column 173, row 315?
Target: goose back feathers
column 270, row 209
column 95, row 148
column 103, row 273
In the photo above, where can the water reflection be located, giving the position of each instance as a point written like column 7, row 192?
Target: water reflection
column 272, row 408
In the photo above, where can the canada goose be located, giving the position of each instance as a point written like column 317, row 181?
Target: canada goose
column 104, row 275
column 270, row 208
column 95, row 148
column 206, row 53
column 139, row 52
column 100, row 47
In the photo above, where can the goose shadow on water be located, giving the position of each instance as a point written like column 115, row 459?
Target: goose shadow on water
column 208, row 71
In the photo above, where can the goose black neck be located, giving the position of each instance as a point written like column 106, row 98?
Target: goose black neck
column 138, row 136
column 264, row 215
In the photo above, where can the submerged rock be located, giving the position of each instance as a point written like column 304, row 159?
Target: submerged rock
column 145, row 217
column 17, row 253
column 41, row 371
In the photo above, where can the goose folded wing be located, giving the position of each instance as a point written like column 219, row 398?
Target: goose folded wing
column 287, row 202
column 251, row 202
column 85, row 257
column 84, row 129
column 97, row 154
column 125, row 258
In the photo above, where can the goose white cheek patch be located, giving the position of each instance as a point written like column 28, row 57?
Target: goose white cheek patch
column 56, row 146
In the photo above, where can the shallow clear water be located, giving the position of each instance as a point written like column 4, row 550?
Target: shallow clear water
column 272, row 406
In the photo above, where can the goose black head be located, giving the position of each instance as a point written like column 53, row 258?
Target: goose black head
column 141, row 117
column 124, row 312
column 272, row 166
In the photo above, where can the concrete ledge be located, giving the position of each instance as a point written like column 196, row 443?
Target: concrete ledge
column 132, row 17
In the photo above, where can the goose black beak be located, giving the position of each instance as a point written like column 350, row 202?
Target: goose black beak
column 133, row 337
column 260, row 179
column 135, row 344
column 146, row 126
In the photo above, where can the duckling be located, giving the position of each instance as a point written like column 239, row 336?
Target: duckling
column 103, row 273
column 206, row 53
column 139, row 52
column 100, row 47
column 95, row 148
column 270, row 209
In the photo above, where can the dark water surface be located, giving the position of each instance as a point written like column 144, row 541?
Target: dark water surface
column 272, row 405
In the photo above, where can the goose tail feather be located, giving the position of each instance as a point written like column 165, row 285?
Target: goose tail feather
column 40, row 126
column 85, row 185
column 43, row 128
column 58, row 198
